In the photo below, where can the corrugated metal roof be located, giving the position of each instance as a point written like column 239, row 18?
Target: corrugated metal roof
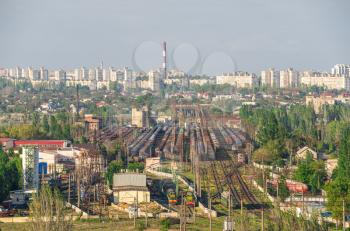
column 129, row 179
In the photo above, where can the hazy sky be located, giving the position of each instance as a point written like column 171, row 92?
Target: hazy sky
column 305, row 34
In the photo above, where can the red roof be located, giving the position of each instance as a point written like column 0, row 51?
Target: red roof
column 4, row 139
column 39, row 142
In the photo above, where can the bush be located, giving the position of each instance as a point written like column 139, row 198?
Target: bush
column 141, row 226
column 164, row 224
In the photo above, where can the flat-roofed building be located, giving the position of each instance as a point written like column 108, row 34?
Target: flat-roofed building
column 130, row 187
column 238, row 79
column 289, row 78
column 140, row 117
column 270, row 78
column 317, row 102
column 327, row 80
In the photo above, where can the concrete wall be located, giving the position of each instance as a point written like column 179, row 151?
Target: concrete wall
column 129, row 196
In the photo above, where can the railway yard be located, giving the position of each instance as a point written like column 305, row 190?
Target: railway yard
column 206, row 153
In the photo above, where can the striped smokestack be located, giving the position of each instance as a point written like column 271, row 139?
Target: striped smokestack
column 164, row 60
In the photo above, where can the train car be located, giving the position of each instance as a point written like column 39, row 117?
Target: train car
column 168, row 189
column 189, row 199
column 171, row 195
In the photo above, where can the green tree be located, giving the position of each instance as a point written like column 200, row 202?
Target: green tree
column 338, row 191
column 45, row 125
column 10, row 174
column 344, row 155
column 269, row 130
column 311, row 172
column 268, row 153
column 136, row 166
column 283, row 191
column 113, row 167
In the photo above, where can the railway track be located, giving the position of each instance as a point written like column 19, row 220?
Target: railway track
column 215, row 175
column 247, row 193
column 230, row 183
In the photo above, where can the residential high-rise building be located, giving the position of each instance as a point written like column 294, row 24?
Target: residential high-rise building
column 33, row 74
column 107, row 74
column 19, row 72
column 341, row 69
column 60, row 75
column 12, row 72
column 270, row 78
column 289, row 78
column 44, row 74
column 99, row 74
column 92, row 74
column 238, row 79
column 128, row 78
column 81, row 74
column 327, row 80
column 154, row 81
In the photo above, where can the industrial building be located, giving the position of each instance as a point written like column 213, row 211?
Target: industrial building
column 92, row 123
column 130, row 188
column 140, row 117
column 30, row 165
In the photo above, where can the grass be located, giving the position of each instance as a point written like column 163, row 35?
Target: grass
column 202, row 223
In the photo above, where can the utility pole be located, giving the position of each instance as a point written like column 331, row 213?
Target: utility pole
column 241, row 214
column 303, row 201
column 146, row 216
column 209, row 201
column 262, row 219
column 343, row 214
column 181, row 212
column 78, row 189
column 229, row 206
column 69, row 188
column 194, row 213
column 135, row 212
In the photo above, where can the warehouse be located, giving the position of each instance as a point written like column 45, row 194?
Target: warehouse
column 130, row 187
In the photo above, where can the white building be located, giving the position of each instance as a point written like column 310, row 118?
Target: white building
column 60, row 75
column 128, row 78
column 92, row 74
column 325, row 80
column 238, row 79
column 44, row 74
column 106, row 75
column 154, row 81
column 81, row 74
column 19, row 72
column 130, row 187
column 33, row 74
column 341, row 69
column 270, row 78
column 289, row 78
column 99, row 74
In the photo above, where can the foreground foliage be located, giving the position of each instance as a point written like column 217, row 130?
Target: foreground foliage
column 48, row 212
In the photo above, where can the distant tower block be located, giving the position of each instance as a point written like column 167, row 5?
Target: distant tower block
column 30, row 163
column 164, row 61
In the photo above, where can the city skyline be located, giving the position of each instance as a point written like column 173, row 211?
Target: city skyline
column 255, row 35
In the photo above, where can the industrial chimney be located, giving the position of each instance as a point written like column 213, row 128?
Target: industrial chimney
column 164, row 61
